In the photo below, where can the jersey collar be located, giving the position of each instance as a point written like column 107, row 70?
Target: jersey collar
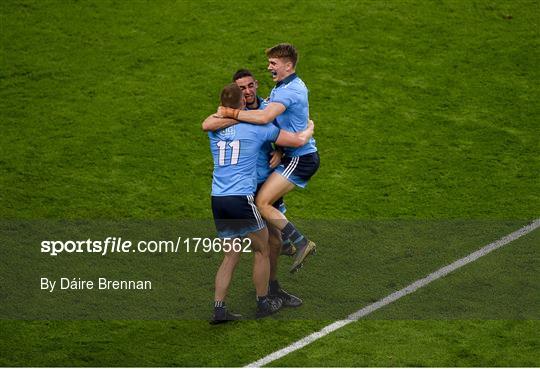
column 286, row 80
column 259, row 102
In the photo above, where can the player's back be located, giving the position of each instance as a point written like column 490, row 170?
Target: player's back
column 235, row 150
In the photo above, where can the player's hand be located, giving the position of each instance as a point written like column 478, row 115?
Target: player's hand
column 276, row 158
column 228, row 112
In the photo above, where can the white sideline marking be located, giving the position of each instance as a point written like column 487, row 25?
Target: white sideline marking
column 396, row 295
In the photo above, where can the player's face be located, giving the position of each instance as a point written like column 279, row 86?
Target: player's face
column 280, row 68
column 249, row 86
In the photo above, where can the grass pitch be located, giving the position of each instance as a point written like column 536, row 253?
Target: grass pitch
column 424, row 113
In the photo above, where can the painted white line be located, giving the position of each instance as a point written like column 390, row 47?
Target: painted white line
column 396, row 295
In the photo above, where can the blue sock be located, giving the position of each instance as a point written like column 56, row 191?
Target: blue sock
column 262, row 300
column 290, row 232
column 274, row 287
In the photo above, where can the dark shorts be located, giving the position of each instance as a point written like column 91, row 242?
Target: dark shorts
column 236, row 216
column 299, row 169
column 279, row 204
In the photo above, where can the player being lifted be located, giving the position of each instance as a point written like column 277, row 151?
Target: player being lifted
column 234, row 151
column 268, row 158
column 288, row 106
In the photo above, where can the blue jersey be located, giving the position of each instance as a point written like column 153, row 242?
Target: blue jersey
column 263, row 160
column 293, row 94
column 235, row 151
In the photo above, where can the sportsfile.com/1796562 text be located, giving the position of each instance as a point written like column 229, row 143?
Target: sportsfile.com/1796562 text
column 118, row 245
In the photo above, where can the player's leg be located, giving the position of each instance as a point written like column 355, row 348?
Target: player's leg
column 224, row 275
column 261, row 262
column 227, row 227
column 276, row 186
column 266, row 304
column 222, row 281
column 293, row 171
column 274, row 288
column 274, row 243
column 287, row 248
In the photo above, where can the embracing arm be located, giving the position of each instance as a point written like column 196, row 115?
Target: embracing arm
column 263, row 116
column 298, row 139
column 214, row 123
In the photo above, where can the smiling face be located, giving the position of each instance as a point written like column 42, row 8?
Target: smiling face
column 280, row 68
column 249, row 86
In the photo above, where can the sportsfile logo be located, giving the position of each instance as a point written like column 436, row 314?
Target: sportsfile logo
column 111, row 245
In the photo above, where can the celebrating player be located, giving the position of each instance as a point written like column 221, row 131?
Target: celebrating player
column 288, row 106
column 268, row 158
column 235, row 150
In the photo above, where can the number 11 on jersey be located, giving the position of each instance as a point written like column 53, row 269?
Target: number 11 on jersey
column 235, row 145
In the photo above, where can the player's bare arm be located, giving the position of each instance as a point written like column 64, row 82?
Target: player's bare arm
column 298, row 139
column 263, row 116
column 215, row 123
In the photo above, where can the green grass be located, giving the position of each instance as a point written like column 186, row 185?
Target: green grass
column 432, row 106
column 425, row 113
column 490, row 343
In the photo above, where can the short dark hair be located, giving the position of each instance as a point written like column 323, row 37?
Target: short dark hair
column 231, row 96
column 241, row 73
column 283, row 51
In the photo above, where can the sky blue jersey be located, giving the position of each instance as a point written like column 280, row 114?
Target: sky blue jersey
column 235, row 151
column 293, row 94
column 263, row 160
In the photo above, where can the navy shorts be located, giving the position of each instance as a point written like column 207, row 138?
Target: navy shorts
column 299, row 169
column 279, row 204
column 236, row 216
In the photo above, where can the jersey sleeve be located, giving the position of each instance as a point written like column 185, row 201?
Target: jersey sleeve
column 272, row 132
column 284, row 96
